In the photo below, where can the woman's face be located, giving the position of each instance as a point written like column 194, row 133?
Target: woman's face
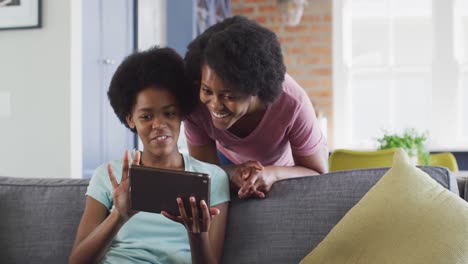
column 156, row 117
column 225, row 104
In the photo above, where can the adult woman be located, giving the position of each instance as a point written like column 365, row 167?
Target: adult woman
column 252, row 114
column 147, row 94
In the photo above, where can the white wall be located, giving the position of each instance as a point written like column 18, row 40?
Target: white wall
column 35, row 73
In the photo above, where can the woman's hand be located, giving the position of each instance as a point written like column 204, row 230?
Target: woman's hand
column 194, row 224
column 248, row 189
column 120, row 192
column 245, row 177
column 263, row 182
column 243, row 172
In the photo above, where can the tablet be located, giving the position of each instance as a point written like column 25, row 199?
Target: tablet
column 155, row 190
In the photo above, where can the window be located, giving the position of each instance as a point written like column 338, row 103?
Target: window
column 461, row 51
column 401, row 64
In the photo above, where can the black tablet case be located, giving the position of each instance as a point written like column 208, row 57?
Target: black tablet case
column 155, row 190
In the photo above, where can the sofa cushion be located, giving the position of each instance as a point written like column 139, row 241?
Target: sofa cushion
column 298, row 213
column 406, row 217
column 39, row 218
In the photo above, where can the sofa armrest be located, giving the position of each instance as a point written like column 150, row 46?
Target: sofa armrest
column 463, row 187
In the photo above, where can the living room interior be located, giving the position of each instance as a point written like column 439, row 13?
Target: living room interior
column 364, row 79
column 371, row 69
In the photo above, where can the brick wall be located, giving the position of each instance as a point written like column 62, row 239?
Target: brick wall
column 307, row 48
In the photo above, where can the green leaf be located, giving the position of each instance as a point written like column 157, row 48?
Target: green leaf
column 411, row 141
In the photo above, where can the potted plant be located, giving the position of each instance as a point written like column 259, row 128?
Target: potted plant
column 411, row 141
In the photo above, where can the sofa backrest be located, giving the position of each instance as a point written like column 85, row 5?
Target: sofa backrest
column 39, row 217
column 298, row 213
column 463, row 187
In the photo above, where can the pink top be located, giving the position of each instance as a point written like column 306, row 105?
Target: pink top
column 288, row 127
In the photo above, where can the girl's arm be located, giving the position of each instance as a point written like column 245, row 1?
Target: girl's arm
column 218, row 230
column 207, row 247
column 98, row 228
column 206, row 234
column 95, row 233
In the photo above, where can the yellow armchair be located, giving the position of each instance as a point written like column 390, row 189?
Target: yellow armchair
column 445, row 159
column 343, row 159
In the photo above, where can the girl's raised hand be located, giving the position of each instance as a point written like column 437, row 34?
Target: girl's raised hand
column 120, row 191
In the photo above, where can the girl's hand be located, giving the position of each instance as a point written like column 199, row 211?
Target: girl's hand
column 120, row 192
column 195, row 224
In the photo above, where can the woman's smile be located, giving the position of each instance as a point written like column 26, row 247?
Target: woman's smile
column 219, row 115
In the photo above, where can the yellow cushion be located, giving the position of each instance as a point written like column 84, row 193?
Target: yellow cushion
column 407, row 217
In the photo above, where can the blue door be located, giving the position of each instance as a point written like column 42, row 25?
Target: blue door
column 108, row 37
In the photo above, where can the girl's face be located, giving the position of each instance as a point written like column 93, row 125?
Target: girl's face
column 225, row 104
column 156, row 117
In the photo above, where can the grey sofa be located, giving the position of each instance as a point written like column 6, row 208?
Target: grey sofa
column 39, row 217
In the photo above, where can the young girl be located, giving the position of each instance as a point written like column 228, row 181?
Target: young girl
column 148, row 95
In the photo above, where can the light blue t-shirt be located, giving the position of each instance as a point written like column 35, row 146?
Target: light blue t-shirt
column 149, row 237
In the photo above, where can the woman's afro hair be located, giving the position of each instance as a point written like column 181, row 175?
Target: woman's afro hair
column 160, row 68
column 243, row 54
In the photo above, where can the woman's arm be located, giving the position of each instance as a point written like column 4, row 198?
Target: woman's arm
column 314, row 164
column 206, row 153
column 253, row 174
column 262, row 180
